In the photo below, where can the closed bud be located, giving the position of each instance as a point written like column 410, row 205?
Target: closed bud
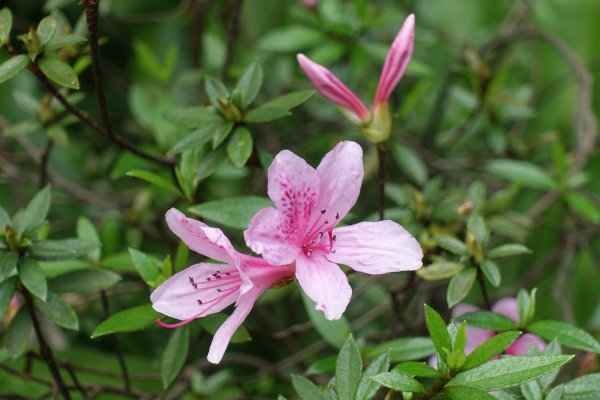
column 229, row 111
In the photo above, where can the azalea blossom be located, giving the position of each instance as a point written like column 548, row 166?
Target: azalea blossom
column 302, row 228
column 376, row 124
column 207, row 288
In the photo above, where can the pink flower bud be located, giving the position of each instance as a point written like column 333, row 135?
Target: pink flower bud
column 332, row 88
column 396, row 61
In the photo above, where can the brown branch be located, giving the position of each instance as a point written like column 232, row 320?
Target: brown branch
column 235, row 7
column 44, row 159
column 116, row 345
column 484, row 293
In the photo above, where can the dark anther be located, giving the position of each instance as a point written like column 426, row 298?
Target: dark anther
column 333, row 237
column 326, row 221
column 195, row 286
column 199, row 302
column 191, row 280
column 309, row 252
column 303, row 246
column 320, row 235
column 337, row 215
column 208, row 279
column 219, row 290
column 323, row 211
column 333, row 251
column 227, row 273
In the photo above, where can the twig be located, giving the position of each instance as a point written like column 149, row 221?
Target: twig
column 381, row 153
column 44, row 159
column 235, row 6
column 76, row 383
column 116, row 345
column 484, row 293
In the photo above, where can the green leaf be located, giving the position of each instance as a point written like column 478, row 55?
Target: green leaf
column 409, row 348
column 59, row 72
column 265, row 114
column 195, row 139
column 526, row 305
column 5, row 24
column 4, row 219
column 306, row 389
column 215, row 90
column 585, row 387
column 491, row 272
column 290, row 39
column 409, row 162
column 234, row 212
column 58, row 311
column 210, row 163
column 7, row 290
column 147, row 269
column 60, row 41
column 18, row 333
column 466, row 393
column 583, row 206
column 87, row 231
column 438, row 331
column 46, row 29
column 154, row 179
column 413, row 368
column 460, row 285
column 487, row 320
column 399, row 382
column 440, row 270
column 552, row 349
column 129, row 320
column 8, row 265
column 33, row 278
column 250, row 82
column 192, row 117
column 506, row 372
column 290, row 100
column 460, row 339
column 221, row 133
column 174, row 355
column 62, row 249
column 322, row 366
column 451, row 244
column 531, row 390
column 36, row 211
column 84, row 281
column 12, row 67
column 348, row 369
column 367, row 387
column 212, row 323
column 506, row 250
column 334, row 332
column 566, row 334
column 522, row 172
column 495, row 345
column 476, row 226
column 239, row 146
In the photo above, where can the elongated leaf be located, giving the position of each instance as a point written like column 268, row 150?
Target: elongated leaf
column 399, row 382
column 58, row 311
column 531, row 390
column 5, row 24
column 215, row 90
column 62, row 249
column 12, row 67
column 522, row 172
column 466, row 393
column 460, row 285
column 250, row 82
column 583, row 206
column 46, row 29
column 290, row 39
column 8, row 265
column 18, row 333
column 174, row 355
column 506, row 372
column 290, row 100
column 84, row 281
column 413, row 368
column 129, row 320
column 487, row 320
column 4, row 219
column 306, row 389
column 196, row 139
column 335, row 332
column 59, row 72
column 495, row 345
column 36, row 211
column 566, row 334
column 234, row 212
column 552, row 349
column 451, row 244
column 585, row 387
column 440, row 270
column 409, row 162
column 147, row 269
column 221, row 133
column 438, row 331
column 506, row 250
column 322, row 366
column 154, row 179
column 239, row 146
column 348, row 369
column 404, row 349
column 60, row 41
column 7, row 290
column 265, row 114
column 33, row 278
column 192, row 117
column 87, row 231
column 491, row 272
column 367, row 387
column 210, row 163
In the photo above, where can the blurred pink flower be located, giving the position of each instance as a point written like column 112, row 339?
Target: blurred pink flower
column 301, row 229
column 207, row 288
column 310, row 4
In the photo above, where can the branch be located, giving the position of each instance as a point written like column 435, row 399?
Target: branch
column 116, row 345
column 381, row 153
column 232, row 33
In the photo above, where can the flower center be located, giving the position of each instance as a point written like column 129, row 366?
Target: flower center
column 320, row 236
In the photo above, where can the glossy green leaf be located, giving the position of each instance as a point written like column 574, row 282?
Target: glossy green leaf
column 583, row 206
column 437, row 331
column 290, row 39
column 147, row 269
column 60, row 41
column 506, row 250
column 491, row 272
column 367, row 387
column 493, row 346
column 215, row 90
column 552, row 349
column 46, row 29
column 196, row 139
column 451, row 244
column 4, row 219
column 335, row 332
column 265, row 114
column 250, row 82
column 404, row 349
column 12, row 67
column 210, row 163
column 476, row 225
column 409, row 162
column 221, row 133
column 58, row 311
column 174, row 356
column 466, row 393
column 154, row 179
column 290, row 100
column 35, row 212
column 8, row 265
column 440, row 270
column 399, row 382
column 348, row 369
column 566, row 334
column 414, row 368
column 84, row 281
column 33, row 278
column 522, row 172
column 192, row 117
column 59, row 72
column 5, row 24
column 460, row 285
column 7, row 290
column 306, row 389
column 62, row 249
column 506, row 372
column 531, row 390
column 234, row 212
column 87, row 231
column 584, row 387
column 129, row 320
column 487, row 320
column 322, row 366
column 19, row 332
column 239, row 146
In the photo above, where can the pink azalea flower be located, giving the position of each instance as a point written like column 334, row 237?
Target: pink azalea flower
column 376, row 124
column 301, row 229
column 207, row 288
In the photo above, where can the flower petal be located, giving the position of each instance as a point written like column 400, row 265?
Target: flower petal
column 266, row 235
column 227, row 329
column 397, row 61
column 522, row 345
column 508, row 307
column 476, row 337
column 210, row 242
column 376, row 248
column 461, row 309
column 196, row 292
column 332, row 88
column 340, row 173
column 325, row 283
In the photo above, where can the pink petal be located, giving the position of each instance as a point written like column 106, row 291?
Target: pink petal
column 325, row 283
column 266, row 236
column 397, row 61
column 461, row 309
column 522, row 345
column 227, row 329
column 376, row 248
column 340, row 174
column 196, row 292
column 508, row 307
column 476, row 337
column 210, row 242
column 332, row 88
